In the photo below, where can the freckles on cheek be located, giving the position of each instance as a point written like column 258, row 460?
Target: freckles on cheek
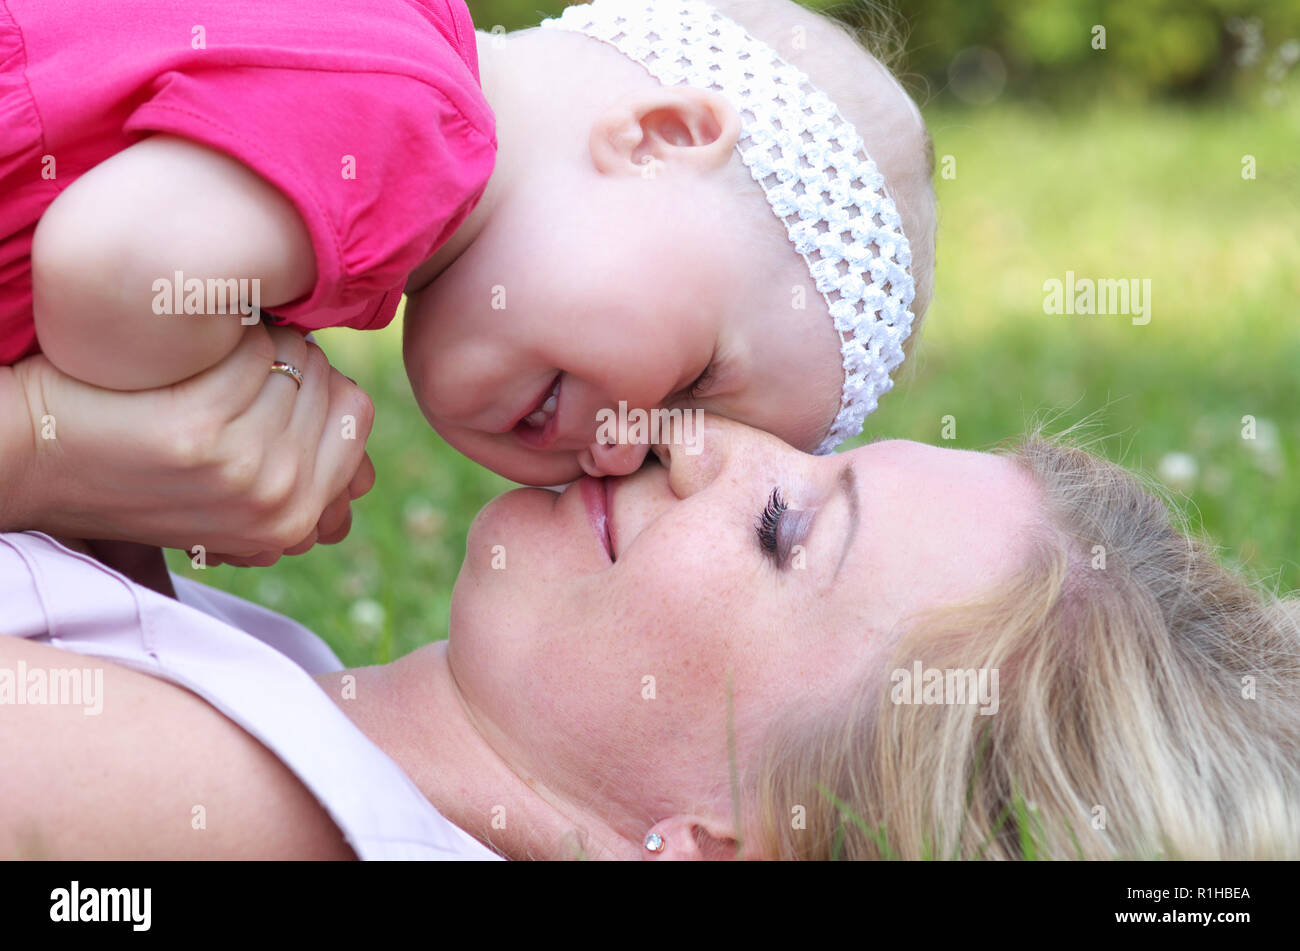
column 702, row 645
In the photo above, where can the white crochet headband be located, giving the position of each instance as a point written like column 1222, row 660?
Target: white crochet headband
column 811, row 165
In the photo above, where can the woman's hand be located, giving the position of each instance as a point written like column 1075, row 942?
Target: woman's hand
column 235, row 459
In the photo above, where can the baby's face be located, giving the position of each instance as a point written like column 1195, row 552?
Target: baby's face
column 587, row 293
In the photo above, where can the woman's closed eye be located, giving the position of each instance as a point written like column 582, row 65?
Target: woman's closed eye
column 779, row 527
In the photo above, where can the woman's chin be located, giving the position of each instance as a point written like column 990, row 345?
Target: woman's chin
column 519, row 516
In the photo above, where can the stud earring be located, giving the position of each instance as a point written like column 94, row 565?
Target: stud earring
column 654, row 842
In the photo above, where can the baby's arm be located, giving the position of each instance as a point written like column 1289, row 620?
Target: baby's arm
column 161, row 206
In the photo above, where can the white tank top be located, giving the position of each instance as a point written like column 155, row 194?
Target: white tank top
column 252, row 664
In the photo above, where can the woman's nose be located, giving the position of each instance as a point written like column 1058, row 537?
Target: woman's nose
column 692, row 465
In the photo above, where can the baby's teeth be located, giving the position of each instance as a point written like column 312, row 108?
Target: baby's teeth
column 538, row 418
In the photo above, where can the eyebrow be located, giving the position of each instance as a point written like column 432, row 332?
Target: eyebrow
column 849, row 484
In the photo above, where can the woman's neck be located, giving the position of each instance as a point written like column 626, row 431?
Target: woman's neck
column 413, row 710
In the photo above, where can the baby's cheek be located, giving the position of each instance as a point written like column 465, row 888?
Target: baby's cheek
column 533, row 467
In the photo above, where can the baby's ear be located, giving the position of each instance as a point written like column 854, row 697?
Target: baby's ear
column 660, row 130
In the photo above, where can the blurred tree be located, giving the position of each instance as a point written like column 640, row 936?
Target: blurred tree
column 1059, row 50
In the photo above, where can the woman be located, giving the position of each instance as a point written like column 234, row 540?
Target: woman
column 702, row 660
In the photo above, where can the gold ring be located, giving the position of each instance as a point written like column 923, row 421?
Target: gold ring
column 289, row 370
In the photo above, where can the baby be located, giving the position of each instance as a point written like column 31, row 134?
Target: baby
column 624, row 251
column 640, row 207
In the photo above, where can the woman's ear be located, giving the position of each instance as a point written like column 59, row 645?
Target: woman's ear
column 667, row 128
column 692, row 839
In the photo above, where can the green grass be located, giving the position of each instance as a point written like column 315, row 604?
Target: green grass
column 1152, row 194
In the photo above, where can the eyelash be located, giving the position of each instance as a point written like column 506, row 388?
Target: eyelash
column 768, row 522
column 702, row 381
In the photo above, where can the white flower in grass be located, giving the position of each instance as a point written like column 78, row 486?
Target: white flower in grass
column 367, row 616
column 1178, row 470
column 1267, row 437
column 1266, row 446
column 421, row 519
column 272, row 591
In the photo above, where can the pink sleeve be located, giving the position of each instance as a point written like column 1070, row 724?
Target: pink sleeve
column 383, row 168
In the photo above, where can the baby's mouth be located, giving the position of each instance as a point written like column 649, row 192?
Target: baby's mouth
column 546, row 409
column 537, row 428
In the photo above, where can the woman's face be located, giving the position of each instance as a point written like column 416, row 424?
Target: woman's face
column 611, row 675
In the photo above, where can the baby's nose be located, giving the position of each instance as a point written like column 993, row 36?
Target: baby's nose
column 617, row 459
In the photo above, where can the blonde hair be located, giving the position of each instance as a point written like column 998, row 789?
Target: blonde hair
column 1150, row 707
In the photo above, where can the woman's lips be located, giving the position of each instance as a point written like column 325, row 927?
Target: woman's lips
column 596, row 498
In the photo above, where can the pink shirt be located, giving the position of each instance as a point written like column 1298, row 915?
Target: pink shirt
column 250, row 663
column 300, row 91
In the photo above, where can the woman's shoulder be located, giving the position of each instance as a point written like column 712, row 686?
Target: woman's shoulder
column 277, row 631
column 251, row 665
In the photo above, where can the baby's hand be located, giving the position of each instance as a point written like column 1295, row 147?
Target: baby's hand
column 236, row 459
